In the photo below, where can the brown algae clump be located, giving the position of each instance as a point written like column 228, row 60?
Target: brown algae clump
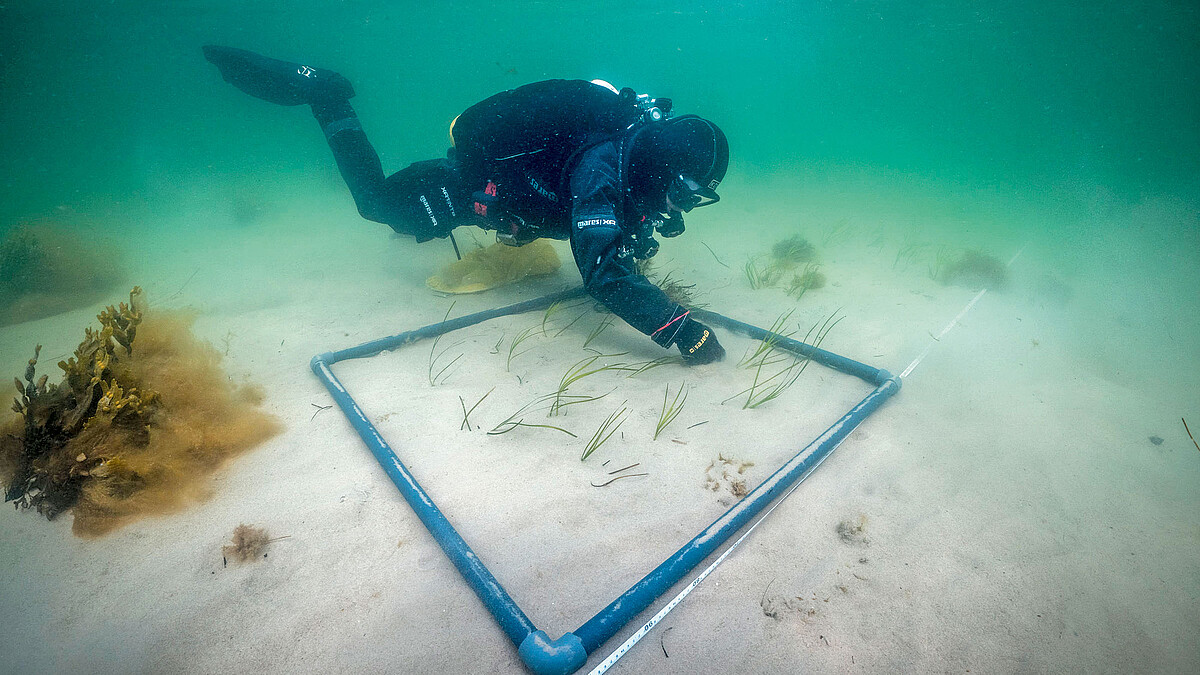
column 854, row 532
column 675, row 289
column 497, row 265
column 142, row 416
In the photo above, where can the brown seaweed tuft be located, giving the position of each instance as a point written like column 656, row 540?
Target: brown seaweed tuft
column 677, row 291
column 249, row 543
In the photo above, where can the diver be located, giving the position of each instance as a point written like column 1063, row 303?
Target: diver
column 572, row 160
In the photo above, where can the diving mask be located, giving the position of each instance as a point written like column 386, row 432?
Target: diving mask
column 685, row 194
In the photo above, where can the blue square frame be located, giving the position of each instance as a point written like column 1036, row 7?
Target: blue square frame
column 566, row 654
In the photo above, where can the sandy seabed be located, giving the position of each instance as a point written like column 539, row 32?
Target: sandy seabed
column 1005, row 512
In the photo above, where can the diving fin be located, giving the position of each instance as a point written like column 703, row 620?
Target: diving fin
column 277, row 81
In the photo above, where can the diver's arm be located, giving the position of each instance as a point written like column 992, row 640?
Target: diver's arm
column 596, row 240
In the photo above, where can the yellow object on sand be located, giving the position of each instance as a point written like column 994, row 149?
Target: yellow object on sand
column 496, row 265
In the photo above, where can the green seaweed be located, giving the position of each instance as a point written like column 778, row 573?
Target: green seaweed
column 435, row 356
column 767, row 345
column 517, row 419
column 552, row 313
column 466, row 423
column 908, row 251
column 714, row 255
column 605, row 431
column 605, row 324
column 941, row 260
column 837, row 233
column 640, row 367
column 670, row 410
column 581, row 369
column 765, row 389
column 514, row 349
column 760, row 275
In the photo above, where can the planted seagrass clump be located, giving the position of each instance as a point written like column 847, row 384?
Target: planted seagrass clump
column 142, row 416
column 793, row 251
column 675, row 289
column 792, row 260
column 810, row 278
column 44, row 271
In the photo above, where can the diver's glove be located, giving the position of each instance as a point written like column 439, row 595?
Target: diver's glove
column 277, row 81
column 698, row 343
column 670, row 225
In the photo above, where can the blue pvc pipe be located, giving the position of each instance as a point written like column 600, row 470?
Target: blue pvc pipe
column 510, row 617
column 836, row 361
column 540, row 653
column 433, row 330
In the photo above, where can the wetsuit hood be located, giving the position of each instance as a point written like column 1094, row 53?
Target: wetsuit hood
column 661, row 152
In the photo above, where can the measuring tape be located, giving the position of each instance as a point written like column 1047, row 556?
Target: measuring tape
column 607, row 663
column 612, row 659
column 953, row 322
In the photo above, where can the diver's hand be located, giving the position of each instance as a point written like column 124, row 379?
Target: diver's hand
column 698, row 344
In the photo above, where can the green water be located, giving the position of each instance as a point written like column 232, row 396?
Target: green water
column 1049, row 105
column 1068, row 132
column 990, row 125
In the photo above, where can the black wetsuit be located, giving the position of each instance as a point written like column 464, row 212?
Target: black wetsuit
column 540, row 161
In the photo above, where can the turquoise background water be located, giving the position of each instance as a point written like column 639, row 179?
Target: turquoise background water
column 1016, row 476
column 992, row 125
column 1057, row 105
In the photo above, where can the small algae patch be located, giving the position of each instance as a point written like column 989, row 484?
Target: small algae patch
column 249, row 544
column 675, row 289
column 494, row 266
column 726, row 474
column 810, row 278
column 854, row 531
column 975, row 270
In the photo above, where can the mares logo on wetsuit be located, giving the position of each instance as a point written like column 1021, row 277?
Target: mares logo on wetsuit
column 594, row 222
column 428, row 210
column 538, row 188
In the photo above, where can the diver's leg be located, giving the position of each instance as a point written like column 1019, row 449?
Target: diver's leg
column 288, row 83
column 282, row 82
column 356, row 159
